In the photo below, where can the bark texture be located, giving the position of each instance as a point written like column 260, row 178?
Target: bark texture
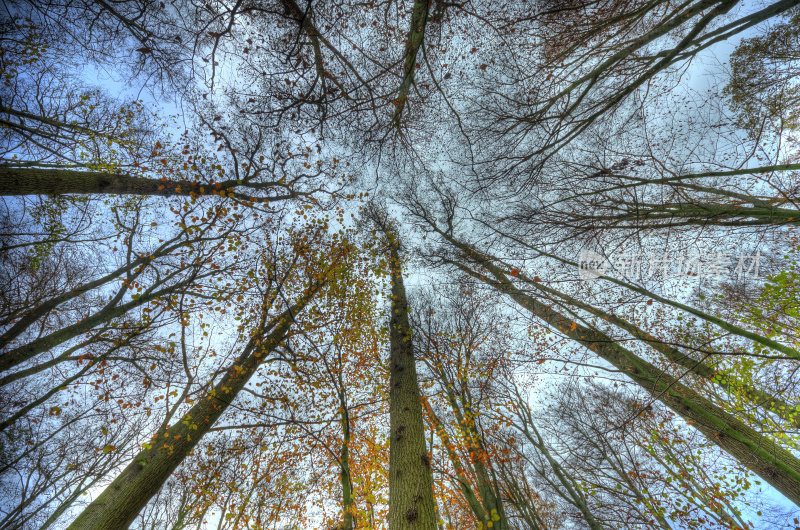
column 411, row 504
column 775, row 465
column 347, row 482
column 36, row 181
column 122, row 500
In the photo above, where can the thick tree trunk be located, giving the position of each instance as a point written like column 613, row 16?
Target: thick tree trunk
column 37, row 181
column 775, row 465
column 757, row 396
column 411, row 504
column 416, row 34
column 347, row 483
column 122, row 500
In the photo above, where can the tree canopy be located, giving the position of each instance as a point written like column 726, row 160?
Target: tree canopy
column 429, row 265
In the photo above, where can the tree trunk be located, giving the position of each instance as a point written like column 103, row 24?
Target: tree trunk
column 416, row 34
column 472, row 439
column 727, row 326
column 122, row 500
column 37, row 181
column 347, row 483
column 775, row 465
column 573, row 492
column 25, row 352
column 461, row 475
column 411, row 504
column 759, row 397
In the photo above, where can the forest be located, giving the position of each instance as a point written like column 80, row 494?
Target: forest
column 401, row 265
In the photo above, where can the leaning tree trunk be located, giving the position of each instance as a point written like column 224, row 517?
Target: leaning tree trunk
column 473, row 442
column 48, row 181
column 775, row 465
column 460, row 473
column 758, row 397
column 573, row 492
column 122, row 500
column 486, row 504
column 344, row 463
column 411, row 504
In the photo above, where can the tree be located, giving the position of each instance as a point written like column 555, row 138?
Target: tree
column 122, row 500
column 146, row 271
column 411, row 502
column 762, row 84
column 462, row 343
column 733, row 435
column 635, row 453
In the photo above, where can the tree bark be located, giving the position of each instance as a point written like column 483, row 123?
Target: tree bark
column 411, row 504
column 775, row 465
column 347, row 482
column 37, row 181
column 122, row 500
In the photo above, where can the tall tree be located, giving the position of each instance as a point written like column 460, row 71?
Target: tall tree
column 122, row 500
column 776, row 465
column 462, row 343
column 411, row 503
